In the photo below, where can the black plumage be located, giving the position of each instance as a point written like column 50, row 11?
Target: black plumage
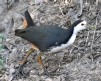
column 28, row 19
column 48, row 36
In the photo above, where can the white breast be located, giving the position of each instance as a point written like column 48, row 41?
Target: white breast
column 63, row 46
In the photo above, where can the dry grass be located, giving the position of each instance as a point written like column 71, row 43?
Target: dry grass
column 79, row 62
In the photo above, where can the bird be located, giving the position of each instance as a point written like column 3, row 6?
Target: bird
column 49, row 38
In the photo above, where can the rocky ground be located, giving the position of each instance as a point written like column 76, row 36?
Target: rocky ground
column 79, row 62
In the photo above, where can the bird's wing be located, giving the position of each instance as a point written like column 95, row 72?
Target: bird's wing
column 48, row 36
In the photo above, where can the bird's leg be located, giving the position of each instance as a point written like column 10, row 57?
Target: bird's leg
column 40, row 60
column 20, row 71
column 26, row 56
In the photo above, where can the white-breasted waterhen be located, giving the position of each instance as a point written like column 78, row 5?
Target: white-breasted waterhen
column 49, row 38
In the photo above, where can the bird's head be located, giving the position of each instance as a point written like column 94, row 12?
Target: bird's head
column 79, row 25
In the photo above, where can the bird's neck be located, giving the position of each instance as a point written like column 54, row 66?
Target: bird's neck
column 76, row 30
column 75, row 33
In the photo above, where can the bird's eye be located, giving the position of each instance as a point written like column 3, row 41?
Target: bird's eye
column 82, row 24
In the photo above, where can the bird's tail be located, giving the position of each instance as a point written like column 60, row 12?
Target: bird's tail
column 27, row 22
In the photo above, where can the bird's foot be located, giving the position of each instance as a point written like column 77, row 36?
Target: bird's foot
column 47, row 73
column 20, row 72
